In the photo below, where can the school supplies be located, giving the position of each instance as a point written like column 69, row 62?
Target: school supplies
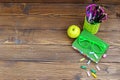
column 89, row 61
column 95, row 14
column 82, row 59
column 90, row 45
column 92, row 28
column 93, row 71
column 98, row 68
column 88, row 73
column 94, row 75
column 104, row 56
column 83, row 67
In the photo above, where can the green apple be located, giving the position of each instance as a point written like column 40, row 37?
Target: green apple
column 73, row 31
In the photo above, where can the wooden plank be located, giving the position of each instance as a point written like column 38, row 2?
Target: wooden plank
column 55, row 71
column 50, row 53
column 37, row 22
column 51, row 22
column 48, row 1
column 77, row 10
column 60, row 40
column 58, row 37
column 65, row 1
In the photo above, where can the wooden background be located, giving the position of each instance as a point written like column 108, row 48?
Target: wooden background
column 34, row 44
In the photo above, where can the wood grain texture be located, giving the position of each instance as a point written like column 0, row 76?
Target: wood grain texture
column 50, row 53
column 54, row 37
column 77, row 10
column 65, row 1
column 54, row 71
column 51, row 22
column 34, row 44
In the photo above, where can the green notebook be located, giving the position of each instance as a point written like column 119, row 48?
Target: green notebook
column 90, row 46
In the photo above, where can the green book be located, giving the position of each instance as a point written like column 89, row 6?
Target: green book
column 90, row 45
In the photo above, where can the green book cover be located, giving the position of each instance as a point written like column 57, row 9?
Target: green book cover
column 90, row 46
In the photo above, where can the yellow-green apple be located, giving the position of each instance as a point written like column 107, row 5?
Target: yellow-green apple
column 73, row 31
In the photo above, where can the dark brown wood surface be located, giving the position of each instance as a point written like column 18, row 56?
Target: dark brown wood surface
column 34, row 44
column 65, row 1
